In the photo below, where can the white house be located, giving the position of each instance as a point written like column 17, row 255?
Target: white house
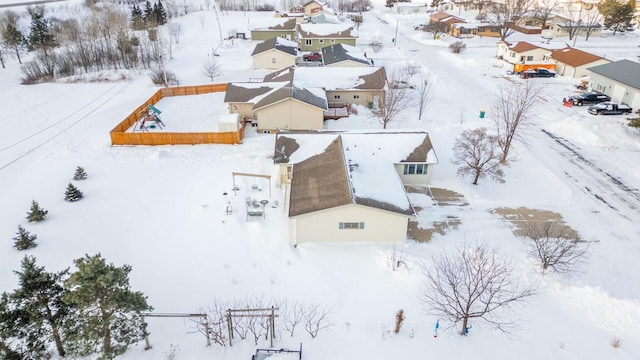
column 620, row 80
column 574, row 62
column 348, row 186
column 523, row 51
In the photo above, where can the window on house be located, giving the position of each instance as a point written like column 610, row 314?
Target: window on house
column 415, row 169
column 529, row 58
column 308, row 41
column 336, row 97
column 273, row 60
column 356, row 96
column 321, row 41
column 351, row 225
column 332, row 41
column 289, row 172
column 512, row 54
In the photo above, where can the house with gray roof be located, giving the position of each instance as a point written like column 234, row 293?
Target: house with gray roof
column 274, row 54
column 344, row 55
column 332, row 194
column 267, row 28
column 619, row 79
column 313, row 37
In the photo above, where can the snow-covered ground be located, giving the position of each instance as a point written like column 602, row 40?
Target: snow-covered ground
column 162, row 209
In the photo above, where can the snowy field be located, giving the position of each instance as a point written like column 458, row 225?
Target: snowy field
column 162, row 209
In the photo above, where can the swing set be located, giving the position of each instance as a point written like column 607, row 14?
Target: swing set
column 149, row 115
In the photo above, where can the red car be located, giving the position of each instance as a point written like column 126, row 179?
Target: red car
column 312, row 57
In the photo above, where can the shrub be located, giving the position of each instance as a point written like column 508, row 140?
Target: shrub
column 80, row 174
column 158, row 76
column 615, row 343
column 72, row 194
column 457, row 47
column 36, row 213
column 24, row 240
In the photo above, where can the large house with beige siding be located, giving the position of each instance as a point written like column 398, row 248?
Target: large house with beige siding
column 620, row 80
column 574, row 62
column 267, row 28
column 313, row 37
column 334, row 181
column 274, row 54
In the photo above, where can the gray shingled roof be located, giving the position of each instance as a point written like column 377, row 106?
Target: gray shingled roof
column 273, row 43
column 239, row 94
column 624, row 71
column 336, row 53
column 289, row 92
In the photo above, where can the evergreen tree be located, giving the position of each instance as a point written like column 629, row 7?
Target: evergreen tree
column 36, row 214
column 616, row 15
column 137, row 18
column 37, row 311
column 80, row 174
column 8, row 331
column 40, row 36
column 24, row 240
column 13, row 39
column 149, row 15
column 160, row 13
column 73, row 194
column 109, row 311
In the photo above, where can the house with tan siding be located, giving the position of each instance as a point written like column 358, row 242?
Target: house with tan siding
column 334, row 180
column 312, row 7
column 313, row 37
column 574, row 62
column 274, row 54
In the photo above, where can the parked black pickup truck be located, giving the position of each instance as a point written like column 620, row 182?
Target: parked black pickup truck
column 590, row 97
column 609, row 108
column 537, row 73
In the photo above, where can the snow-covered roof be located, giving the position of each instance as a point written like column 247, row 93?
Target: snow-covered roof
column 276, row 43
column 264, row 23
column 326, row 30
column 340, row 52
column 354, row 159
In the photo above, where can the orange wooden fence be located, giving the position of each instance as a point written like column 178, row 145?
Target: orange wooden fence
column 120, row 136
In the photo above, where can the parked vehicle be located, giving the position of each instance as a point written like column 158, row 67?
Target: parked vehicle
column 312, row 57
column 520, row 67
column 590, row 97
column 543, row 73
column 419, row 27
column 609, row 108
column 399, row 84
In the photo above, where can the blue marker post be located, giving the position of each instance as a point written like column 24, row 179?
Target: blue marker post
column 435, row 334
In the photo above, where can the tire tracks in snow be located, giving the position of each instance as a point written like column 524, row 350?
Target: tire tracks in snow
column 594, row 181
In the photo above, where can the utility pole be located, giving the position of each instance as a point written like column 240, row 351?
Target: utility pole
column 395, row 39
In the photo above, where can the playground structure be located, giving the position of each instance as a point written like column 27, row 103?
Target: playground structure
column 149, row 115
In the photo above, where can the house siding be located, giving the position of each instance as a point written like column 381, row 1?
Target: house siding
column 347, row 63
column 323, row 226
column 347, row 96
column 265, row 60
column 618, row 92
column 578, row 71
column 423, row 179
column 290, row 114
column 261, row 35
column 242, row 109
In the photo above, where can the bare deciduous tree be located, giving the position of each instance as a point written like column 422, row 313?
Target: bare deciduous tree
column 435, row 28
column 211, row 69
column 543, row 10
column 376, row 45
column 424, row 90
column 474, row 283
column 316, row 318
column 478, row 155
column 511, row 112
column 216, row 322
column 503, row 14
column 555, row 246
column 396, row 100
column 292, row 316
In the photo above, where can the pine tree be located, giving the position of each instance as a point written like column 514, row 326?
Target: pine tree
column 13, row 39
column 109, row 311
column 160, row 13
column 24, row 240
column 80, row 174
column 36, row 214
column 40, row 36
column 72, row 194
column 137, row 18
column 37, row 311
column 616, row 15
column 149, row 15
column 8, row 330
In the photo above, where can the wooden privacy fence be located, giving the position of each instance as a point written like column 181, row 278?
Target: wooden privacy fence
column 120, row 136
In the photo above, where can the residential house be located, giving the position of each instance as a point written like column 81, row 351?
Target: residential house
column 299, row 16
column 267, row 28
column 324, row 18
column 335, row 180
column 275, row 53
column 523, row 51
column 620, row 80
column 312, row 7
column 574, row 62
column 562, row 29
column 466, row 30
column 530, row 22
column 344, row 55
column 313, row 37
column 298, row 98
